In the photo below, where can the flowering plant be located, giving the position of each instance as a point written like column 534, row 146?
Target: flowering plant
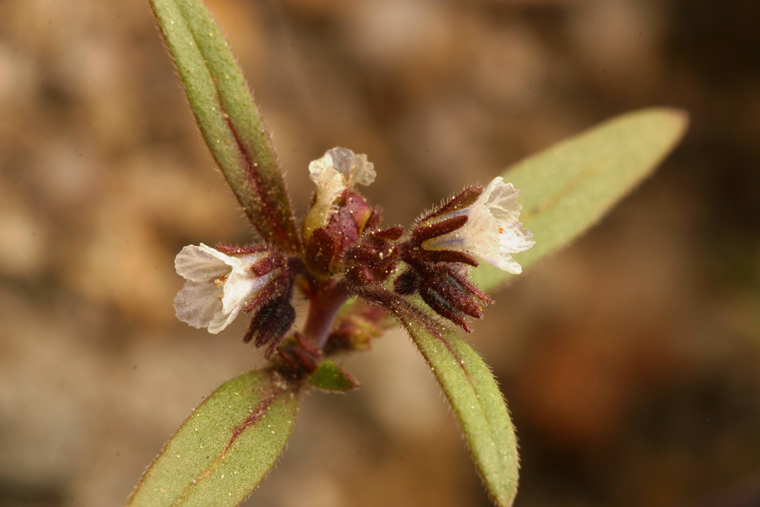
column 346, row 254
column 360, row 277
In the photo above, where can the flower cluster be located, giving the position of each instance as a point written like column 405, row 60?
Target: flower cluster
column 346, row 254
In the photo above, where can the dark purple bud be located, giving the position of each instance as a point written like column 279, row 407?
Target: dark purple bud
column 407, row 283
column 444, row 287
column 443, row 307
column 375, row 217
column 270, row 324
column 298, row 357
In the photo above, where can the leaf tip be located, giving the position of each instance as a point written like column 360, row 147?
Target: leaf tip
column 676, row 119
column 330, row 377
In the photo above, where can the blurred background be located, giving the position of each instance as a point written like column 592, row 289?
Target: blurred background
column 631, row 361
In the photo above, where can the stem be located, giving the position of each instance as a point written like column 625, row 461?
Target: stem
column 323, row 308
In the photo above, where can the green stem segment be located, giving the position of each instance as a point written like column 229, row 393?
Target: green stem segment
column 228, row 118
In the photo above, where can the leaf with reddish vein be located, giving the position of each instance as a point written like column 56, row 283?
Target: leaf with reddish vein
column 568, row 188
column 477, row 402
column 225, row 448
column 228, row 118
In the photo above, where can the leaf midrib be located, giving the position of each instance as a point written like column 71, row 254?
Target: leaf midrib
column 256, row 414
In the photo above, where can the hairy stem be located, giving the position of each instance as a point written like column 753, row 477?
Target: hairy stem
column 323, row 308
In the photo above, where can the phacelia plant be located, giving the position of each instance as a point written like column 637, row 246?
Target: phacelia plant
column 359, row 276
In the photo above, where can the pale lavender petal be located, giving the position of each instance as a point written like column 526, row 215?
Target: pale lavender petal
column 197, row 303
column 221, row 320
column 200, row 263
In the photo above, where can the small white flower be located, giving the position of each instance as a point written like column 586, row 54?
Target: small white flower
column 218, row 286
column 355, row 169
column 493, row 230
column 338, row 169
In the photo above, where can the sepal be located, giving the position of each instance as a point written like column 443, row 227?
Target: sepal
column 375, row 258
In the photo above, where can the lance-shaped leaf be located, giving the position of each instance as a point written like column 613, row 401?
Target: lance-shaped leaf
column 228, row 117
column 225, row 448
column 478, row 404
column 570, row 186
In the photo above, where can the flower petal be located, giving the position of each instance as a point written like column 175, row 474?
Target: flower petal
column 365, row 171
column 322, row 169
column 337, row 170
column 241, row 286
column 197, row 303
column 504, row 262
column 355, row 168
column 221, row 320
column 331, row 185
column 516, row 239
column 200, row 263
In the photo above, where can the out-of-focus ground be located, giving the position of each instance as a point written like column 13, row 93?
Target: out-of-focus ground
column 631, row 361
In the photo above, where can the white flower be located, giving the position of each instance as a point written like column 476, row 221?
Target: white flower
column 218, row 286
column 493, row 230
column 352, row 167
column 337, row 170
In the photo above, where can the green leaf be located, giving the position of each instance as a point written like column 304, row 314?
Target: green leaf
column 331, row 377
column 570, row 186
column 478, row 404
column 225, row 448
column 228, row 117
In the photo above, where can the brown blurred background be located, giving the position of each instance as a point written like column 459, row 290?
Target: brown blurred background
column 631, row 361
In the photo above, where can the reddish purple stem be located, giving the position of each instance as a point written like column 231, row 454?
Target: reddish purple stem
column 323, row 308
